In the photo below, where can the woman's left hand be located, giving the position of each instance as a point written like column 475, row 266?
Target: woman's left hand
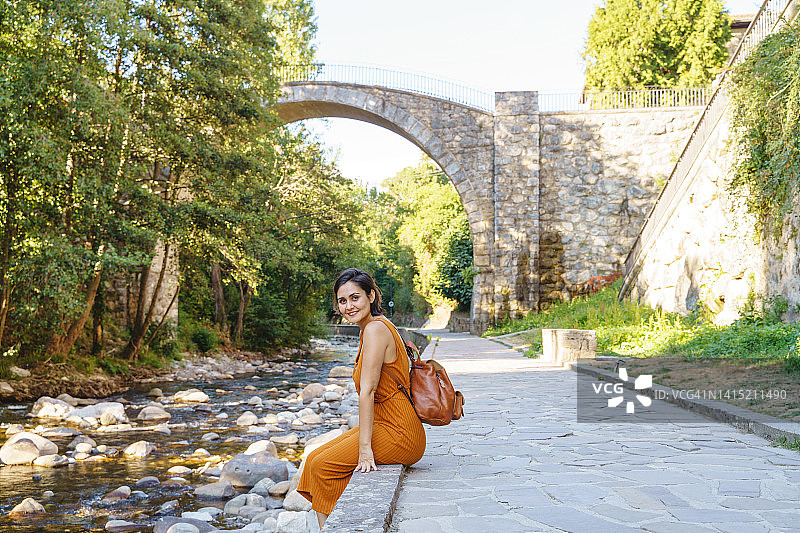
column 366, row 461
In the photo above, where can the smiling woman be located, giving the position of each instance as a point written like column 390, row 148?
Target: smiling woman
column 388, row 431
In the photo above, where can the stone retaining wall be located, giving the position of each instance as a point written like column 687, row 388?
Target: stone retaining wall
column 601, row 172
column 707, row 249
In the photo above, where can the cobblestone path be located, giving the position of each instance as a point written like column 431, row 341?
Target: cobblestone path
column 519, row 461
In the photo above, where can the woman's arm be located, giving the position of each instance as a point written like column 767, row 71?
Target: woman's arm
column 376, row 340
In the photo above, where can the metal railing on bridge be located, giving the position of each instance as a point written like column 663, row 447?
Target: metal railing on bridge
column 770, row 17
column 389, row 79
column 648, row 97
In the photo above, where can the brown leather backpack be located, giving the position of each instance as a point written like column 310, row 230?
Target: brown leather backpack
column 434, row 399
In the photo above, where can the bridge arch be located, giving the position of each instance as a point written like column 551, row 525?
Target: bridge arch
column 458, row 138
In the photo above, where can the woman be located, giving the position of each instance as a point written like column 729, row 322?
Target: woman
column 388, row 430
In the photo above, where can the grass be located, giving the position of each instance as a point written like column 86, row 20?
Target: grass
column 628, row 329
column 783, row 442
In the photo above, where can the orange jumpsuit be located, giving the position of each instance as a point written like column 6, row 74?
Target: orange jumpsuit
column 397, row 436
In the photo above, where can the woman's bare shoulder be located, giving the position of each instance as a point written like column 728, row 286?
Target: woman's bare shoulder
column 376, row 329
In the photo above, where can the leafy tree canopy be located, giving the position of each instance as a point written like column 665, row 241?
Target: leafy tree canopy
column 667, row 43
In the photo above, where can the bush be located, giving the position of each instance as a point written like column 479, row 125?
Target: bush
column 206, row 339
column 792, row 362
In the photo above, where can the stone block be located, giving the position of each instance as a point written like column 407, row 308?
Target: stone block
column 568, row 345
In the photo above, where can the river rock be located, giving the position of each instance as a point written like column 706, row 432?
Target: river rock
column 291, row 522
column 191, row 395
column 279, row 489
column 270, row 524
column 13, row 429
column 247, row 419
column 59, row 432
column 331, row 396
column 21, row 452
column 118, row 526
column 155, row 392
column 51, row 461
column 120, row 493
column 312, row 419
column 83, row 447
column 285, row 439
column 148, row 481
column 219, row 490
column 263, row 486
column 6, row 389
column 255, row 401
column 153, row 413
column 167, row 507
column 210, row 436
column 140, row 448
column 19, row 372
column 270, row 419
column 64, row 397
column 165, row 525
column 295, row 502
column 312, row 390
column 251, row 511
column 96, row 411
column 179, row 470
column 233, row 505
column 81, row 439
column 27, row 507
column 340, row 372
column 197, row 515
column 47, row 407
column 262, row 446
column 247, row 470
column 44, row 446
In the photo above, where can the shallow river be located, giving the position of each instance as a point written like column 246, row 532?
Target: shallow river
column 78, row 489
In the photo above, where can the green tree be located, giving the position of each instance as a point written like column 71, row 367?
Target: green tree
column 428, row 207
column 456, row 267
column 668, row 43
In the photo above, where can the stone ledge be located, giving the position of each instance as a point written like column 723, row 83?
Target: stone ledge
column 368, row 502
column 768, row 427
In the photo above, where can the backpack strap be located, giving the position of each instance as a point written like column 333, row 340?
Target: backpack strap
column 395, row 376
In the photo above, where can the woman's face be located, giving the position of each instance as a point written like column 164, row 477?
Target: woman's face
column 353, row 302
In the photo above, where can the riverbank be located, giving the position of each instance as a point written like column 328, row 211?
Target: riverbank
column 174, row 449
column 51, row 379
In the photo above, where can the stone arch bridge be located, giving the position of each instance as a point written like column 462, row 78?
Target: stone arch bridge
column 553, row 197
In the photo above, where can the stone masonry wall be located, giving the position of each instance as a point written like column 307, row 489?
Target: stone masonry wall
column 516, row 196
column 122, row 292
column 601, row 172
column 707, row 250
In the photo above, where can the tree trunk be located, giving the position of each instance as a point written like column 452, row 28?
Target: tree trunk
column 244, row 300
column 61, row 344
column 220, row 316
column 9, row 236
column 163, row 318
column 98, row 310
column 142, row 323
column 5, row 302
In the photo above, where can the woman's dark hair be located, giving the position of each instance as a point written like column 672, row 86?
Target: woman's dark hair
column 363, row 280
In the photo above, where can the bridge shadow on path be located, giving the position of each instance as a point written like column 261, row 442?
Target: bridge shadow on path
column 520, row 461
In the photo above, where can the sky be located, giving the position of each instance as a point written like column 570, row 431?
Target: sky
column 500, row 45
